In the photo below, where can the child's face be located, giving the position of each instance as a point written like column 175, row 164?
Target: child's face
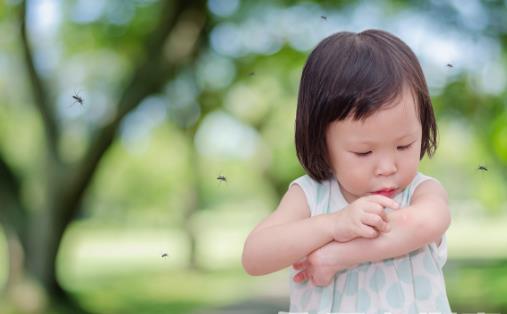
column 379, row 153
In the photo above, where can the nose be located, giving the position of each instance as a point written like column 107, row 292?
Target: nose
column 386, row 166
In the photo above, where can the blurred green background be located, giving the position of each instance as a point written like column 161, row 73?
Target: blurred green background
column 111, row 204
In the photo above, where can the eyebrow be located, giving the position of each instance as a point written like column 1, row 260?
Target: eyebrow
column 397, row 139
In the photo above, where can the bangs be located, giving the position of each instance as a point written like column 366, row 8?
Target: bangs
column 362, row 76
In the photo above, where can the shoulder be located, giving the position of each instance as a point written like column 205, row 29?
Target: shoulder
column 292, row 207
column 303, row 192
column 425, row 186
column 315, row 192
column 305, row 182
column 430, row 197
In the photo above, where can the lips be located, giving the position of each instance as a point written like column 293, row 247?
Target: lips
column 386, row 192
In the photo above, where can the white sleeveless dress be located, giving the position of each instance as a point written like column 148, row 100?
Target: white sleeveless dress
column 413, row 283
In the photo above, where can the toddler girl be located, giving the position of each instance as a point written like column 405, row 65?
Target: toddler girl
column 364, row 230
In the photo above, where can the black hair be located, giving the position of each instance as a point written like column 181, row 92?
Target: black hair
column 354, row 75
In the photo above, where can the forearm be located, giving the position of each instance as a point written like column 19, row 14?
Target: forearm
column 410, row 229
column 274, row 248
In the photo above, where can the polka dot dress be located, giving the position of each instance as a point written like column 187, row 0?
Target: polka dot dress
column 413, row 283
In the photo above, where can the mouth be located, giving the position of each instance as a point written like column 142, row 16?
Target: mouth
column 389, row 192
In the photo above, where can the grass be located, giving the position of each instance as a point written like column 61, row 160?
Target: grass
column 122, row 271
column 175, row 291
column 169, row 292
column 477, row 286
column 471, row 288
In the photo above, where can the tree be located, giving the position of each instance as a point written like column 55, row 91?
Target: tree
column 34, row 234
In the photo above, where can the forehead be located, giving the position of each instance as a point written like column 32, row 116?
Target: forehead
column 394, row 120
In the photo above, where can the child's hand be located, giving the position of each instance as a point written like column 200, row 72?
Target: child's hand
column 316, row 269
column 318, row 275
column 365, row 217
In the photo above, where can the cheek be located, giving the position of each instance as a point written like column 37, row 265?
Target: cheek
column 409, row 168
column 347, row 164
column 352, row 173
column 338, row 160
column 416, row 158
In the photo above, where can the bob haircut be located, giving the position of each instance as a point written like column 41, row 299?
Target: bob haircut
column 355, row 75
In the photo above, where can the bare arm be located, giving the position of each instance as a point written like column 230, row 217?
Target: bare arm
column 286, row 236
column 423, row 222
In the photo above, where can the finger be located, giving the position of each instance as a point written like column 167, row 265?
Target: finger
column 320, row 282
column 384, row 201
column 381, row 223
column 374, row 221
column 377, row 209
column 367, row 232
column 300, row 264
column 373, row 207
column 301, row 276
column 383, row 216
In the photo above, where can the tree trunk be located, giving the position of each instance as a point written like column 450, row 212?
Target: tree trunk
column 38, row 284
column 32, row 251
column 34, row 236
column 46, row 235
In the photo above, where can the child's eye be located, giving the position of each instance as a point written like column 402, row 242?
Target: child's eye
column 405, row 147
column 363, row 154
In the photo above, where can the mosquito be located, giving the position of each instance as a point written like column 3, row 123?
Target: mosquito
column 165, row 255
column 221, row 178
column 450, row 65
column 323, row 17
column 77, row 99
column 482, row 168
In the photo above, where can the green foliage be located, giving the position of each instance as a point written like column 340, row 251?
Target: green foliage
column 152, row 179
column 152, row 171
